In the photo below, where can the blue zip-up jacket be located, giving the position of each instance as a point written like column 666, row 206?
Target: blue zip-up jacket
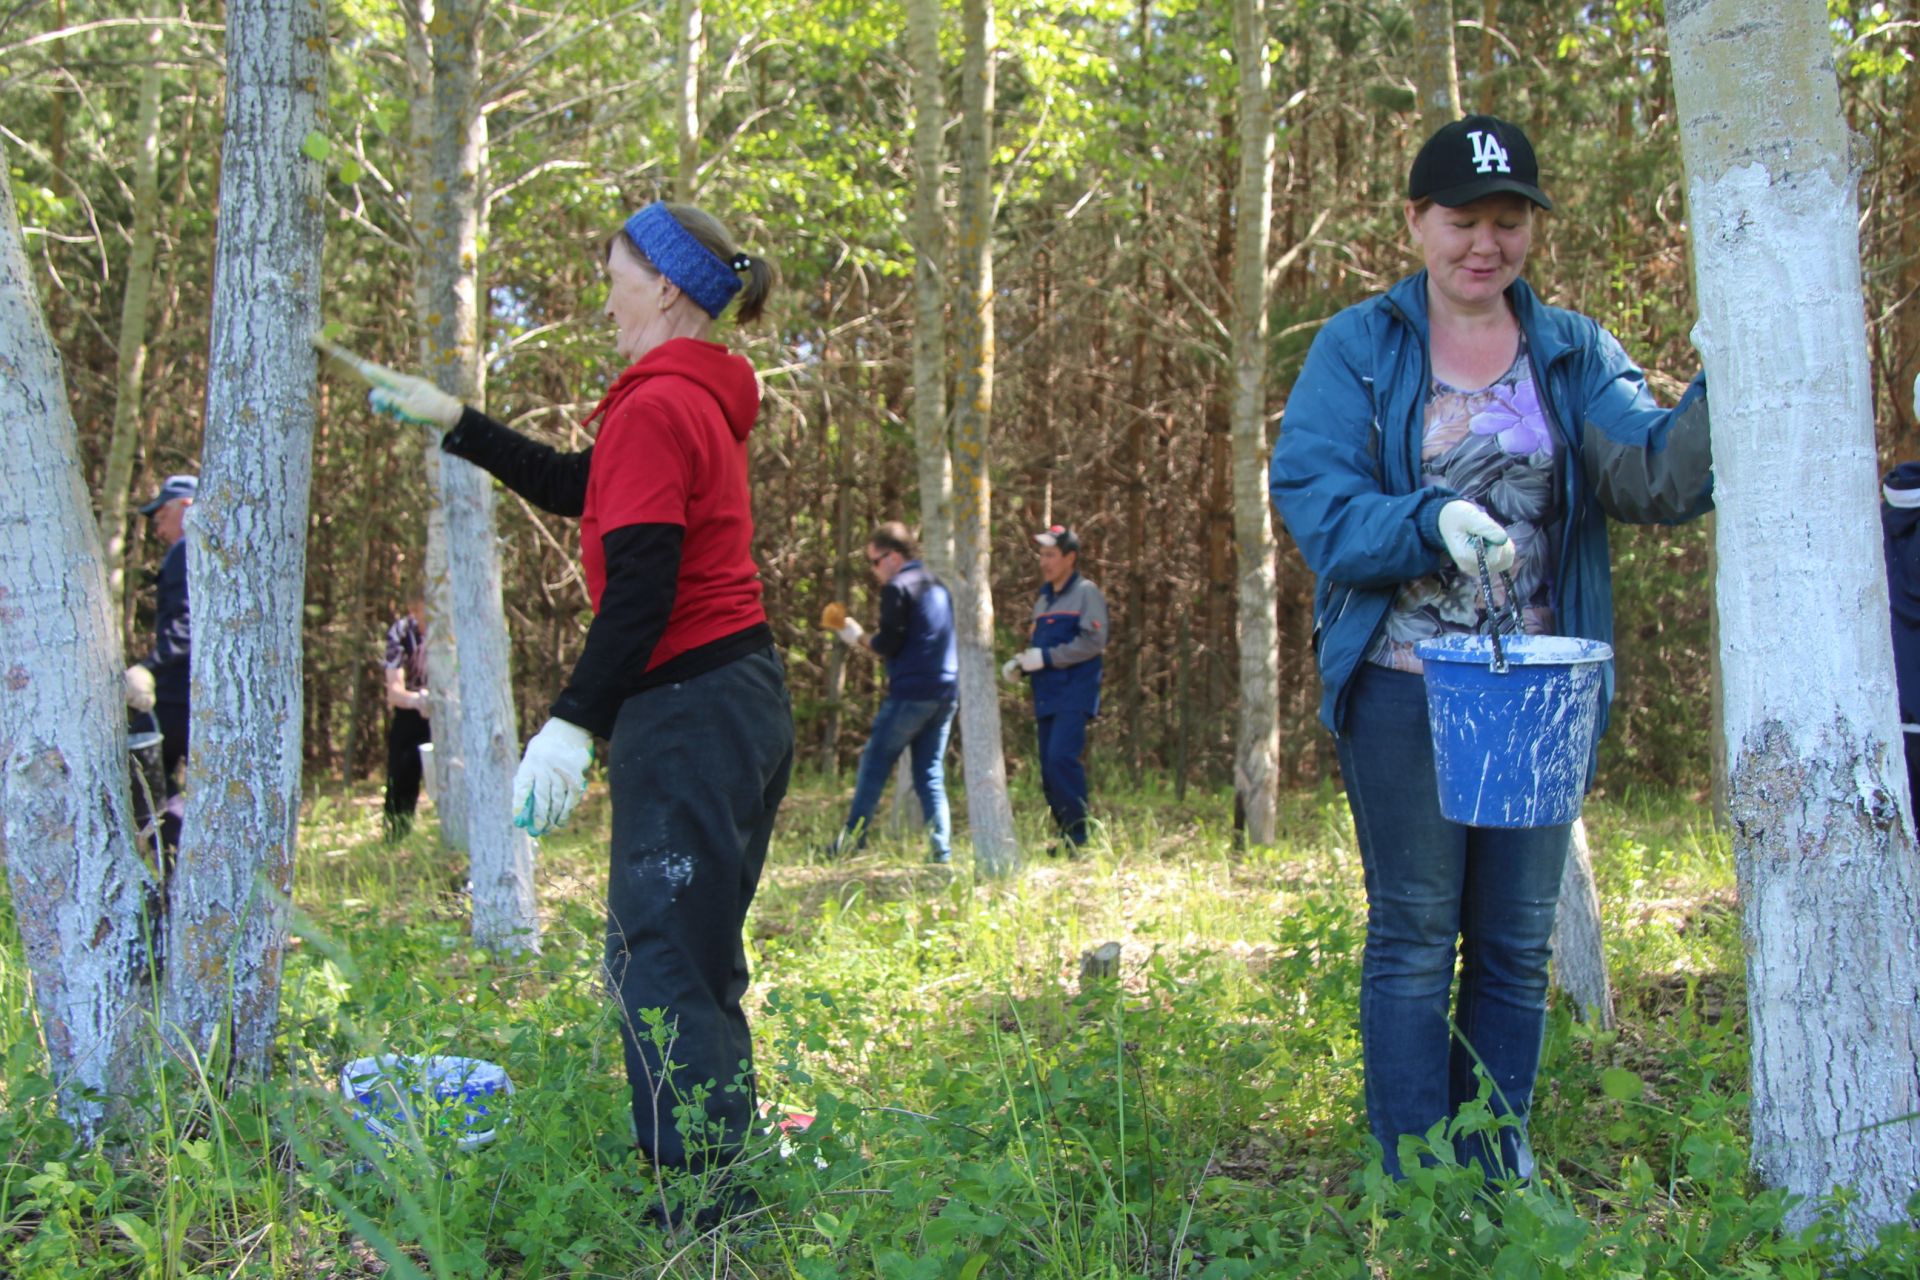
column 1345, row 475
column 915, row 636
column 1069, row 630
column 172, row 628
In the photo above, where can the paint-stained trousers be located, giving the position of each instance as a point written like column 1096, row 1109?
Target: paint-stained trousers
column 697, row 771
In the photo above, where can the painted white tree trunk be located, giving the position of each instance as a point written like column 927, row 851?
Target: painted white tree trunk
column 500, row 854
column 448, row 779
column 989, row 809
column 1256, row 747
column 930, row 288
column 66, row 822
column 131, row 363
column 246, row 542
column 1823, row 844
column 1579, row 951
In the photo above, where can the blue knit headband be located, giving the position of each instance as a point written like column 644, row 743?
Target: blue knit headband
column 682, row 259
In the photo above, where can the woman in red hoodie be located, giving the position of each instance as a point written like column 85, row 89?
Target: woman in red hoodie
column 679, row 674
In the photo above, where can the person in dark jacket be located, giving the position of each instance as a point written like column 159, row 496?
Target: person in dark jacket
column 410, row 728
column 1900, row 533
column 159, row 682
column 679, row 672
column 1062, row 666
column 915, row 639
column 1452, row 413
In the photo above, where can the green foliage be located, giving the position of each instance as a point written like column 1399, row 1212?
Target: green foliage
column 977, row 1111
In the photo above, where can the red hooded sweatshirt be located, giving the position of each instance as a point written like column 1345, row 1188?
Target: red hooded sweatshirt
column 672, row 449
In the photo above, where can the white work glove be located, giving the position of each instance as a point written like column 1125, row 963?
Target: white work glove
column 398, row 395
column 412, row 399
column 851, row 632
column 1010, row 671
column 1460, row 522
column 552, row 777
column 1030, row 660
column 139, row 682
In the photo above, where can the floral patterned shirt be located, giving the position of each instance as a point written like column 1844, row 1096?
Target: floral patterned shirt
column 1494, row 447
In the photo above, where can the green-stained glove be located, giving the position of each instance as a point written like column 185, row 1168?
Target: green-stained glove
column 398, row 395
column 552, row 777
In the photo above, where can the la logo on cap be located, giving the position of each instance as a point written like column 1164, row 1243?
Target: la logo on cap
column 1488, row 155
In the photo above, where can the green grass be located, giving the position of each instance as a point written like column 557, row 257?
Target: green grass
column 980, row 1111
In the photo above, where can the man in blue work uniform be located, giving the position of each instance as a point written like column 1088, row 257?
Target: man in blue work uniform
column 1062, row 666
column 915, row 639
column 159, row 681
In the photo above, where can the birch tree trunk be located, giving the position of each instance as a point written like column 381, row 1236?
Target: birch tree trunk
column 505, row 916
column 1256, row 748
column 1436, row 69
column 989, row 810
column 1823, row 842
column 246, row 543
column 1579, row 950
column 689, row 48
column 130, row 373
column 66, row 822
column 930, row 287
column 448, row 778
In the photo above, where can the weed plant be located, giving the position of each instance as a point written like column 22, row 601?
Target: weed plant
column 979, row 1108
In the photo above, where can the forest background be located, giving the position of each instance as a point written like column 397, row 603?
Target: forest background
column 1116, row 167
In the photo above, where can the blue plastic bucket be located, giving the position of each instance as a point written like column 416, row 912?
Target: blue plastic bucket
column 438, row 1095
column 1512, row 749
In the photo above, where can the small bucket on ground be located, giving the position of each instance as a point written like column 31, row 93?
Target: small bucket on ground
column 429, row 769
column 436, row 1094
column 1511, row 748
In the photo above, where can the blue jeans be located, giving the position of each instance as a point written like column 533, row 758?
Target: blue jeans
column 921, row 728
column 1063, row 776
column 1430, row 881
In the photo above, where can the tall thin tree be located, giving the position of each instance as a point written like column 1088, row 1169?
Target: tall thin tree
column 1823, row 842
column 246, row 541
column 448, row 777
column 131, row 352
column 1436, row 64
column 66, row 827
column 930, row 286
column 689, row 51
column 989, row 810
column 500, row 854
column 1256, row 748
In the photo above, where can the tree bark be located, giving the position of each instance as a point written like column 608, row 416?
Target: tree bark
column 1579, row 953
column 689, row 48
column 246, row 544
column 930, row 288
column 505, row 915
column 66, row 822
column 1823, row 843
column 447, row 780
column 1436, row 69
column 989, row 810
column 1257, row 742
column 131, row 362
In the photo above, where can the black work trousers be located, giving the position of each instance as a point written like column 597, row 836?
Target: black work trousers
column 406, row 732
column 696, row 771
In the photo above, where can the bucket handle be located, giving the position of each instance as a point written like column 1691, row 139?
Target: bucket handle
column 1501, row 620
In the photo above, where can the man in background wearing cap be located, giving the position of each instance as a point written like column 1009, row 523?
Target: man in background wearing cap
column 1062, row 666
column 158, row 682
column 1900, row 533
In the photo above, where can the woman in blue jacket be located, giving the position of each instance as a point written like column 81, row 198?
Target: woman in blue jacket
column 1455, row 408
